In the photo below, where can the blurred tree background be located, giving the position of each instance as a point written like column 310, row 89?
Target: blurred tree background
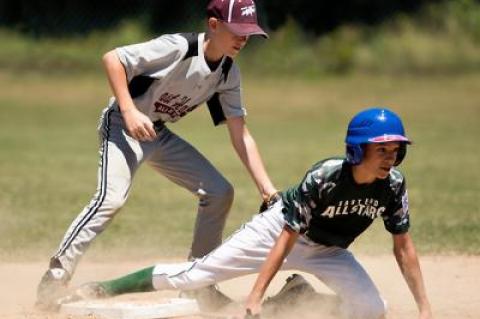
column 308, row 38
column 66, row 17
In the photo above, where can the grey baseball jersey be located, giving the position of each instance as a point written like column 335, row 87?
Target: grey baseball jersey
column 169, row 77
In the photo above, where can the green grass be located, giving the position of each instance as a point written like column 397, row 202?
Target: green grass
column 48, row 159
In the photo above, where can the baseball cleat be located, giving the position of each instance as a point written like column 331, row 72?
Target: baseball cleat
column 295, row 289
column 209, row 298
column 52, row 285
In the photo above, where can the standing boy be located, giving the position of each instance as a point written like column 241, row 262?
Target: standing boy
column 311, row 228
column 155, row 83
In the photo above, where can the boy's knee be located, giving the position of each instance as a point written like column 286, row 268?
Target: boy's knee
column 227, row 192
column 113, row 202
column 221, row 192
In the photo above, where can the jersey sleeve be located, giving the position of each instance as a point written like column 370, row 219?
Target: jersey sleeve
column 397, row 218
column 227, row 101
column 302, row 200
column 151, row 56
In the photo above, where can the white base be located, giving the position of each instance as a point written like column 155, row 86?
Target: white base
column 124, row 310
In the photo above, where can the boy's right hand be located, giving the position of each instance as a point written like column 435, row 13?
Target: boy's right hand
column 139, row 126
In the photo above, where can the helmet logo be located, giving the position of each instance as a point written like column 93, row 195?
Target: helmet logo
column 382, row 116
column 248, row 11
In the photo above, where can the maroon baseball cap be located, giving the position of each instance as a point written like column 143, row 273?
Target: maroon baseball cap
column 240, row 16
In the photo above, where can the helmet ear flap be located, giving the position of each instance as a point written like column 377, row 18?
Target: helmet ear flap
column 402, row 152
column 354, row 154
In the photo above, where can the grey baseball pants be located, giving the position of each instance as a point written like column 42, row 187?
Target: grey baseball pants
column 246, row 250
column 120, row 157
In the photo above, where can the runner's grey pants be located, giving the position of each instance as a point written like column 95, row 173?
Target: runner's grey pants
column 246, row 250
column 120, row 157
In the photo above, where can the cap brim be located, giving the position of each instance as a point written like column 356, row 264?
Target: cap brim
column 389, row 138
column 243, row 29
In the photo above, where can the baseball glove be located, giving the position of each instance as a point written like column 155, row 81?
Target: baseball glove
column 266, row 204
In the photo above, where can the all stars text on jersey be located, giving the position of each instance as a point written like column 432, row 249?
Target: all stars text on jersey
column 368, row 207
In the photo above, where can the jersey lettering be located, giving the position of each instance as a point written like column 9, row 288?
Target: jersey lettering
column 370, row 209
column 174, row 105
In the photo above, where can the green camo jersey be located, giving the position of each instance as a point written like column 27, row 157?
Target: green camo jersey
column 330, row 208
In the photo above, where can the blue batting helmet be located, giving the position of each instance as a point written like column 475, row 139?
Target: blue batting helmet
column 375, row 125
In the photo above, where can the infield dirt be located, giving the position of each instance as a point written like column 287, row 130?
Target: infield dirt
column 452, row 284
